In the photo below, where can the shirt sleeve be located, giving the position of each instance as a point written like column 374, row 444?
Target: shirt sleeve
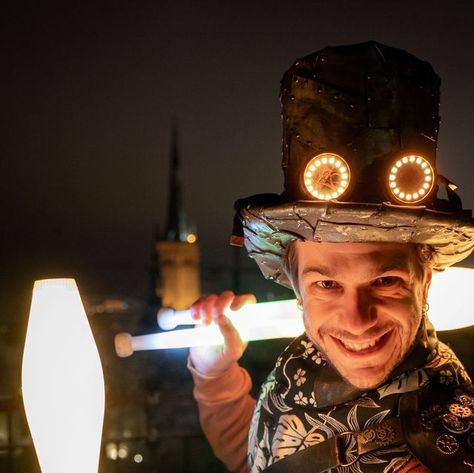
column 225, row 413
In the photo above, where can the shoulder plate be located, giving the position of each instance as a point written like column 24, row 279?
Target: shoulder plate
column 438, row 424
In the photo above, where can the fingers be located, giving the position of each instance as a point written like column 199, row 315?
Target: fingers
column 207, row 311
column 209, row 308
column 233, row 343
column 217, row 359
column 196, row 309
column 241, row 300
column 223, row 302
column 202, row 309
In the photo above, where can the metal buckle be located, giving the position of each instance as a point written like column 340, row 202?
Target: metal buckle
column 341, row 450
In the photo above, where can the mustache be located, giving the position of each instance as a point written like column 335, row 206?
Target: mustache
column 373, row 332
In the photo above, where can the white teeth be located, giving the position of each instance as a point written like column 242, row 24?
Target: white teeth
column 360, row 346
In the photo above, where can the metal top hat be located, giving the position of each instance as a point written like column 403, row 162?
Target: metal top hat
column 360, row 130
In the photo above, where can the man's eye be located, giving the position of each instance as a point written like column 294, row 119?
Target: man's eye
column 328, row 284
column 386, row 281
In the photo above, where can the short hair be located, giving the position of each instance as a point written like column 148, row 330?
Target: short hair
column 426, row 259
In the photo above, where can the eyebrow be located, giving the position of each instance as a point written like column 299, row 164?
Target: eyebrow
column 383, row 268
column 324, row 270
column 397, row 262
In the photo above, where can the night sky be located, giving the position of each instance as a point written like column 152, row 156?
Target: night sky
column 89, row 93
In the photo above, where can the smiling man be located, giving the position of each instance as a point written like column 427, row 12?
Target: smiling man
column 356, row 233
column 362, row 303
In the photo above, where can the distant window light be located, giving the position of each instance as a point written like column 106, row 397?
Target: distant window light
column 111, row 451
column 123, row 451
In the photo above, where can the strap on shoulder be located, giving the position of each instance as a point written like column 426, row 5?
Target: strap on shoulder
column 342, row 450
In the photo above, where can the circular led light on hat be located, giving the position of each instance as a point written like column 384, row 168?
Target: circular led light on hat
column 327, row 176
column 411, row 179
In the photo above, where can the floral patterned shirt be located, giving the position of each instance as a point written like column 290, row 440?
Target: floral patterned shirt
column 304, row 401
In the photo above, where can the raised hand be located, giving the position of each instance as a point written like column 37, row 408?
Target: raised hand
column 214, row 360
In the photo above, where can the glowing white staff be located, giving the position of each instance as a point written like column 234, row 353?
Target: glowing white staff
column 449, row 301
column 125, row 344
column 264, row 313
column 62, row 380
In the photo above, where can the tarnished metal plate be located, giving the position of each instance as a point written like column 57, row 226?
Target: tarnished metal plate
column 268, row 229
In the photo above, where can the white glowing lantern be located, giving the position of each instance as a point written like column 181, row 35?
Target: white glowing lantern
column 327, row 176
column 62, row 380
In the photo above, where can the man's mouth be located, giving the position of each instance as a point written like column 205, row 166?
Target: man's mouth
column 365, row 347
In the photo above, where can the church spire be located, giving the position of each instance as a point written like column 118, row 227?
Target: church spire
column 176, row 225
column 178, row 253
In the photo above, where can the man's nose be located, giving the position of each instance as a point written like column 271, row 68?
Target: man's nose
column 358, row 311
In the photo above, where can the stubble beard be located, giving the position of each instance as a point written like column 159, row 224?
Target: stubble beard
column 367, row 377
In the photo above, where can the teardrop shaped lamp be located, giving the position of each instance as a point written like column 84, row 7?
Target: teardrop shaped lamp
column 62, row 380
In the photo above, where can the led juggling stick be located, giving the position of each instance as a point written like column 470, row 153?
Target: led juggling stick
column 62, row 380
column 449, row 301
column 262, row 313
column 126, row 345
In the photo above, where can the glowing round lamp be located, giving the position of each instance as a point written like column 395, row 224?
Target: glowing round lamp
column 411, row 179
column 62, row 380
column 327, row 176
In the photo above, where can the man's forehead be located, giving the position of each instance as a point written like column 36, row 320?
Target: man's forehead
column 341, row 256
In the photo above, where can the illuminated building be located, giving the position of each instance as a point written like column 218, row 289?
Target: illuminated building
column 178, row 252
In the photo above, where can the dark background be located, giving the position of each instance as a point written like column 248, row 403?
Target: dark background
column 89, row 92
column 88, row 95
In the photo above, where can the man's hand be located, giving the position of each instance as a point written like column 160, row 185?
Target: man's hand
column 214, row 360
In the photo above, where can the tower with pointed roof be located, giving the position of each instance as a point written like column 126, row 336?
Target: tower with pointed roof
column 178, row 249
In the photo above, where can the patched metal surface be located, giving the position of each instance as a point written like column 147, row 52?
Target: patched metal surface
column 269, row 229
column 370, row 104
column 365, row 102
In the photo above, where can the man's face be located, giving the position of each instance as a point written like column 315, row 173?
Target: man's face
column 362, row 304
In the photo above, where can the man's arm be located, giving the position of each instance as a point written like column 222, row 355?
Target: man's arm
column 221, row 386
column 225, row 413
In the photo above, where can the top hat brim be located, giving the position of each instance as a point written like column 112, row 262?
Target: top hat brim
column 268, row 229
